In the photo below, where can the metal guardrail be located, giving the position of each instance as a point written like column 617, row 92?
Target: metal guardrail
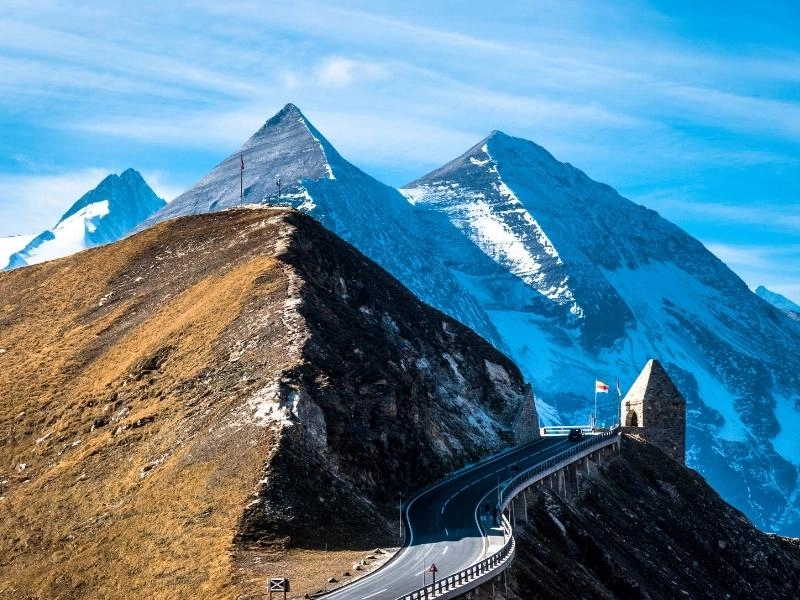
column 474, row 575
column 471, row 577
column 563, row 429
column 537, row 472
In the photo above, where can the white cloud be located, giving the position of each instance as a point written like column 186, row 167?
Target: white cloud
column 338, row 71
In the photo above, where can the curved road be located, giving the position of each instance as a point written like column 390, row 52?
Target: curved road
column 445, row 527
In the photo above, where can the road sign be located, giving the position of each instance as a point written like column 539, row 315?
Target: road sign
column 278, row 584
column 433, row 570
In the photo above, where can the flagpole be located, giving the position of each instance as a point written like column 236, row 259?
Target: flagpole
column 594, row 417
column 241, row 180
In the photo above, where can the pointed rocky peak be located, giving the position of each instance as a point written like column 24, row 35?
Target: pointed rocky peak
column 286, row 149
column 290, row 136
column 497, row 150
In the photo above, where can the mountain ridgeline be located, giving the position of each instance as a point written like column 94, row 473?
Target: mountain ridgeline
column 374, row 217
column 594, row 284
column 571, row 280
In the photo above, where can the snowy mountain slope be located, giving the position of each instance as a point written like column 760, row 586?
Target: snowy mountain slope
column 779, row 301
column 11, row 244
column 374, row 217
column 585, row 284
column 103, row 215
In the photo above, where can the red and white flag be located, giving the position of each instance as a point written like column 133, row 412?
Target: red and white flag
column 600, row 387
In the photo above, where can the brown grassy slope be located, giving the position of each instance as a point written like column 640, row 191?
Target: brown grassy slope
column 217, row 399
column 120, row 389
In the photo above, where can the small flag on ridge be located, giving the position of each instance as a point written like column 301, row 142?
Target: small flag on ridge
column 600, row 387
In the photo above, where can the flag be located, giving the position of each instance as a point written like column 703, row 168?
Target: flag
column 241, row 158
column 600, row 387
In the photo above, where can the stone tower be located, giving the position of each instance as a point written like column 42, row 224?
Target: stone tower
column 654, row 409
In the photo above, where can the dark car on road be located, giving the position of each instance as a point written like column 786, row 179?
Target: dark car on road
column 575, row 435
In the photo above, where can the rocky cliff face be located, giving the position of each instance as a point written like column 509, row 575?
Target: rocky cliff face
column 218, row 392
column 643, row 527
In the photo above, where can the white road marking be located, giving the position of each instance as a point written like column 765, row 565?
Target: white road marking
column 375, row 594
column 446, row 548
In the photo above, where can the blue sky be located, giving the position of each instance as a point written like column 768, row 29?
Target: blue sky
column 691, row 108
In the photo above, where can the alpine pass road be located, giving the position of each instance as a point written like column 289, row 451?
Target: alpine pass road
column 445, row 526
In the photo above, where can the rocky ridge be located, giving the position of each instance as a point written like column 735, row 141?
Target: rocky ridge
column 223, row 393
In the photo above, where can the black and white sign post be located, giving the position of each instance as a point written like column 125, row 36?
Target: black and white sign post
column 278, row 584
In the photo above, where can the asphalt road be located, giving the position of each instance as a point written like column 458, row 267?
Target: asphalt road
column 445, row 527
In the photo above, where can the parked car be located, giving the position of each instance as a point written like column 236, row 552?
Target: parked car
column 575, row 435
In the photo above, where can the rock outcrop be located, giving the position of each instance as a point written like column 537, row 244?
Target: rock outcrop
column 643, row 526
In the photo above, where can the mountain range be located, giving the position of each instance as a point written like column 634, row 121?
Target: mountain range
column 102, row 215
column 571, row 280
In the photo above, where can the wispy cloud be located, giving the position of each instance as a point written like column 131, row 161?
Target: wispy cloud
column 636, row 96
column 339, row 71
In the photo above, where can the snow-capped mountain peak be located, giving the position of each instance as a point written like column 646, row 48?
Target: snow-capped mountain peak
column 582, row 283
column 101, row 216
column 779, row 301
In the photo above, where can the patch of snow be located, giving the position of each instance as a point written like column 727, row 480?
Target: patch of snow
column 11, row 244
column 480, row 163
column 787, row 442
column 454, row 367
column 264, row 406
column 69, row 236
